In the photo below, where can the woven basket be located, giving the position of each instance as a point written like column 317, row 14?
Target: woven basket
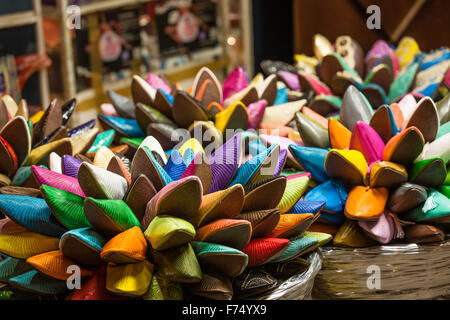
column 408, row 271
column 299, row 286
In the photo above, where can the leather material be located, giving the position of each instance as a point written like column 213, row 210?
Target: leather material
column 428, row 173
column 40, row 155
column 383, row 230
column 436, row 208
column 68, row 109
column 55, row 163
column 186, row 110
column 326, row 104
column 312, row 133
column 154, row 146
column 146, row 115
column 255, row 112
column 235, row 82
column 161, row 289
column 338, row 134
column 139, row 194
column 365, row 203
column 266, row 194
column 17, row 135
column 49, row 122
column 320, row 237
column 129, row 279
column 355, row 107
column 382, row 122
column 175, row 165
column 351, row 235
column 402, row 83
column 12, row 267
column 253, row 282
column 264, row 250
column 9, row 162
column 232, row 118
column 366, row 140
column 145, row 163
column 387, row 174
column 158, row 83
column 295, row 188
column 262, row 221
column 117, row 166
column 332, row 192
column 406, row 197
column 124, row 106
column 313, row 207
column 404, row 147
column 166, row 232
column 81, row 142
column 100, row 183
column 228, row 261
column 291, row 225
column 26, row 244
column 310, row 82
column 109, row 217
column 213, row 285
column 126, row 247
column 83, row 246
column 443, row 108
column 425, row 118
column 128, row 127
column 312, row 159
column 36, row 282
column 282, row 114
column 296, row 248
column 102, row 157
column 348, row 165
column 81, row 128
column 437, row 149
column 232, row 233
column 200, row 167
column 422, row 233
column 284, row 143
column 316, row 117
column 70, row 166
column 103, row 139
column 212, row 93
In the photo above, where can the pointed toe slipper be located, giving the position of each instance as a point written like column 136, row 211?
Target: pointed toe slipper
column 406, row 197
column 312, row 133
column 214, row 285
column 295, row 188
column 312, row 160
column 139, row 194
column 16, row 133
column 404, row 147
column 291, row 225
column 387, row 174
column 165, row 232
column 347, row 165
column 365, row 203
column 100, row 183
column 266, row 194
column 332, row 192
column 338, row 134
column 355, row 107
column 23, row 245
column 232, row 233
column 128, row 246
column 366, row 140
column 186, row 110
column 145, row 163
column 264, row 250
column 131, row 280
column 83, row 246
column 425, row 118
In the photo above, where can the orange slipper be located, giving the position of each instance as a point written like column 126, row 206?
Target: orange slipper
column 365, row 203
column 127, row 247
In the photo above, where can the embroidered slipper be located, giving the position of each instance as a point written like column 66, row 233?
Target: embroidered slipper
column 50, row 121
column 185, row 193
column 23, row 245
column 124, row 106
column 94, row 288
column 406, row 197
column 140, row 193
column 366, row 140
column 365, row 203
column 178, row 265
column 425, row 118
column 297, row 247
column 83, row 246
column 20, row 191
column 127, row 247
column 226, row 260
column 404, row 147
column 9, row 162
column 131, row 279
column 66, row 207
column 207, row 87
column 109, row 217
column 382, row 123
column 282, row 114
column 312, row 134
column 166, row 232
column 264, row 250
column 265, row 194
column 124, row 127
column 161, row 289
column 422, row 233
column 312, row 160
column 291, row 225
column 16, row 133
column 253, row 282
column 55, row 265
column 224, row 204
column 81, row 142
column 351, row 235
column 263, row 221
column 146, row 115
column 36, row 282
column 232, row 118
column 436, row 208
column 348, row 165
column 186, row 110
column 355, row 107
column 228, row 232
column 235, row 82
column 31, row 213
column 387, row 174
column 213, row 285
column 103, row 139
column 293, row 192
column 332, row 192
column 56, row 180
column 100, row 183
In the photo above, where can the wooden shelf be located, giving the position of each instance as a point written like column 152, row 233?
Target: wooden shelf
column 20, row 19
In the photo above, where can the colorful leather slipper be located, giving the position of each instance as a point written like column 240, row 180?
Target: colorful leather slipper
column 351, row 235
column 20, row 191
column 66, row 207
column 266, row 194
column 83, row 246
column 253, row 282
column 425, row 118
column 12, row 267
column 355, row 107
column 338, row 134
column 365, row 203
column 302, row 207
column 228, row 232
column 155, row 147
column 406, row 197
column 127, row 247
column 23, row 245
column 347, row 165
column 282, row 114
column 94, row 288
column 312, row 134
column 320, row 237
column 235, row 82
column 109, row 217
column 224, row 204
column 200, row 168
column 226, row 260
column 185, row 193
column 50, row 121
column 403, row 82
column 103, row 139
column 290, row 79
column 145, row 163
column 124, row 127
column 161, row 289
column 40, row 155
column 443, row 108
column 131, row 279
column 17, row 135
column 142, row 91
column 82, row 142
column 117, row 166
column 316, row 117
column 296, row 248
column 100, row 183
column 35, row 282
column 422, row 233
column 140, row 193
column 326, row 104
column 178, row 265
column 208, row 130
column 295, row 188
column 59, row 133
column 436, row 149
column 443, row 130
column 382, row 230
column 124, row 106
column 158, row 82
column 9, row 162
column 332, row 64
column 332, row 192
column 56, row 180
column 381, row 75
column 381, row 122
column 67, row 110
column 309, row 82
column 81, row 128
column 436, row 208
column 207, row 87
column 397, row 115
column 264, row 250
column 374, row 94
column 102, row 157
column 175, row 166
column 246, row 96
column 262, row 221
column 428, row 173
column 166, row 232
column 274, row 66
column 186, row 110
column 366, row 140
column 291, row 225
column 31, row 213
column 55, row 265
column 284, row 143
column 232, row 118
column 404, row 147
column 214, row 285
column 321, row 46
column 387, row 174
column 351, row 52
column 55, row 163
column 146, row 115
column 312, row 160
